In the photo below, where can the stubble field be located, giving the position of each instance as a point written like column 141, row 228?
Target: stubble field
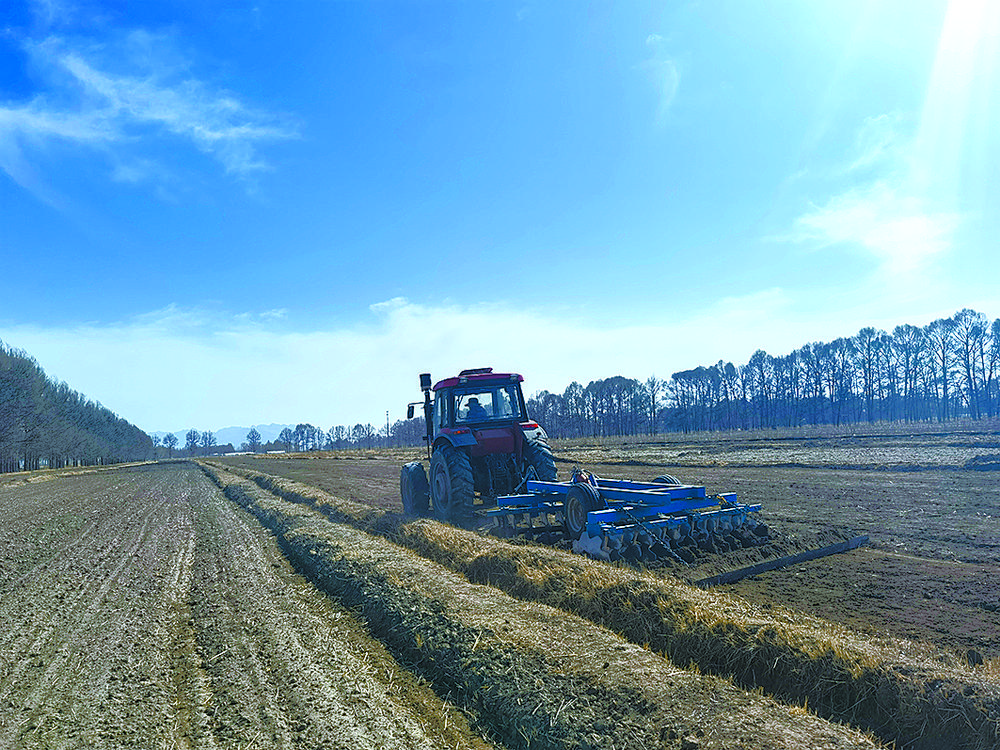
column 284, row 602
column 931, row 571
column 140, row 608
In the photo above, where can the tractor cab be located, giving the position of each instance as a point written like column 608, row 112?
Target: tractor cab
column 474, row 407
column 478, row 397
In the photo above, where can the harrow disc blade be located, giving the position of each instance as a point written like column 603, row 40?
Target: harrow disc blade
column 646, row 554
column 593, row 546
column 665, row 552
column 685, row 554
column 632, row 553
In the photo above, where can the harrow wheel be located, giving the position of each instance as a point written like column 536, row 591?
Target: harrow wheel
column 666, row 479
column 413, row 489
column 452, row 489
column 580, row 500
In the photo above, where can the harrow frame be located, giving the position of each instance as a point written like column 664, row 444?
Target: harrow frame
column 654, row 517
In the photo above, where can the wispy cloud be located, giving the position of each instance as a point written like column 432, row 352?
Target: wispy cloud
column 883, row 213
column 903, row 232
column 130, row 93
column 663, row 73
column 878, row 142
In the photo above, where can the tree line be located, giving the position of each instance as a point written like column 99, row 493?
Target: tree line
column 195, row 443
column 44, row 423
column 945, row 370
column 306, row 437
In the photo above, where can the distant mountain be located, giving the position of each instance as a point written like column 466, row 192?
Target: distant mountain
column 235, row 435
column 238, row 435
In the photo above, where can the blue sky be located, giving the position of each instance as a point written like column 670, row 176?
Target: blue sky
column 240, row 212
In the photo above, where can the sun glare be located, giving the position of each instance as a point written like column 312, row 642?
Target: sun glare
column 963, row 72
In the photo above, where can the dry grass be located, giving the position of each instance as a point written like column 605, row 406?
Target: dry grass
column 877, row 429
column 535, row 676
column 905, row 692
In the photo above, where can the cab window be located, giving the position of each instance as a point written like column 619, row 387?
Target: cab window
column 486, row 404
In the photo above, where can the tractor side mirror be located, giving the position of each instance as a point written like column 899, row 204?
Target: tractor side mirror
column 425, row 381
column 409, row 411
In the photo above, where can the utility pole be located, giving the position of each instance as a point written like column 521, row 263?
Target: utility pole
column 386, row 428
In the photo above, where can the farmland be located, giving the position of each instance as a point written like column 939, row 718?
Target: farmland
column 931, row 572
column 282, row 601
column 139, row 608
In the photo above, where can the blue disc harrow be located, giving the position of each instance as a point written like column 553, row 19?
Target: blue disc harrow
column 623, row 519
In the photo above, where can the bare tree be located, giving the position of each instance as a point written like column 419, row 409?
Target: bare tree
column 970, row 341
column 192, row 437
column 170, row 441
column 208, row 441
column 654, row 392
column 941, row 335
column 866, row 353
column 253, row 440
column 991, row 367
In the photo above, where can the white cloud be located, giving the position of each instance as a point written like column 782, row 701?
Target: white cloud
column 878, row 143
column 175, row 367
column 126, row 94
column 666, row 79
column 663, row 74
column 901, row 231
column 885, row 213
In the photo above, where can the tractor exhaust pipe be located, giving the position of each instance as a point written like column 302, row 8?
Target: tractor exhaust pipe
column 425, row 386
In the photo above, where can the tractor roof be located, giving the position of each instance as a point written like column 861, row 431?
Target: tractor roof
column 481, row 375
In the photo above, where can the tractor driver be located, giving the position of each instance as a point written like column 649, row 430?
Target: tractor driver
column 475, row 412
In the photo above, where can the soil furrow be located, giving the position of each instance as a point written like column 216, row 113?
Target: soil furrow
column 75, row 613
column 293, row 651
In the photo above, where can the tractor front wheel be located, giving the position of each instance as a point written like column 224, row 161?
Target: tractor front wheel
column 452, row 489
column 413, row 489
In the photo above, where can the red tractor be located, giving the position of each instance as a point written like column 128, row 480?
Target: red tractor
column 480, row 442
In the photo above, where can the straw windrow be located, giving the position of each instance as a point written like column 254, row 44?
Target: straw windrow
column 905, row 692
column 535, row 677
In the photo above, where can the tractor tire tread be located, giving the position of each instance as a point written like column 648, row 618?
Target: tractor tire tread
column 459, row 468
column 538, row 454
column 414, row 489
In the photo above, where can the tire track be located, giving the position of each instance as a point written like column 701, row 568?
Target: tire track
column 74, row 645
column 168, row 618
column 315, row 677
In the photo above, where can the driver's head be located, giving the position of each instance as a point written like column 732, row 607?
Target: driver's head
column 473, row 401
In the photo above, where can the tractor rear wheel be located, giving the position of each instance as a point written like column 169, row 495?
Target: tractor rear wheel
column 580, row 500
column 413, row 489
column 538, row 455
column 452, row 489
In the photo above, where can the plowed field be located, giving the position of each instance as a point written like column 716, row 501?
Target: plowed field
column 931, row 572
column 154, row 606
column 140, row 608
column 144, row 608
